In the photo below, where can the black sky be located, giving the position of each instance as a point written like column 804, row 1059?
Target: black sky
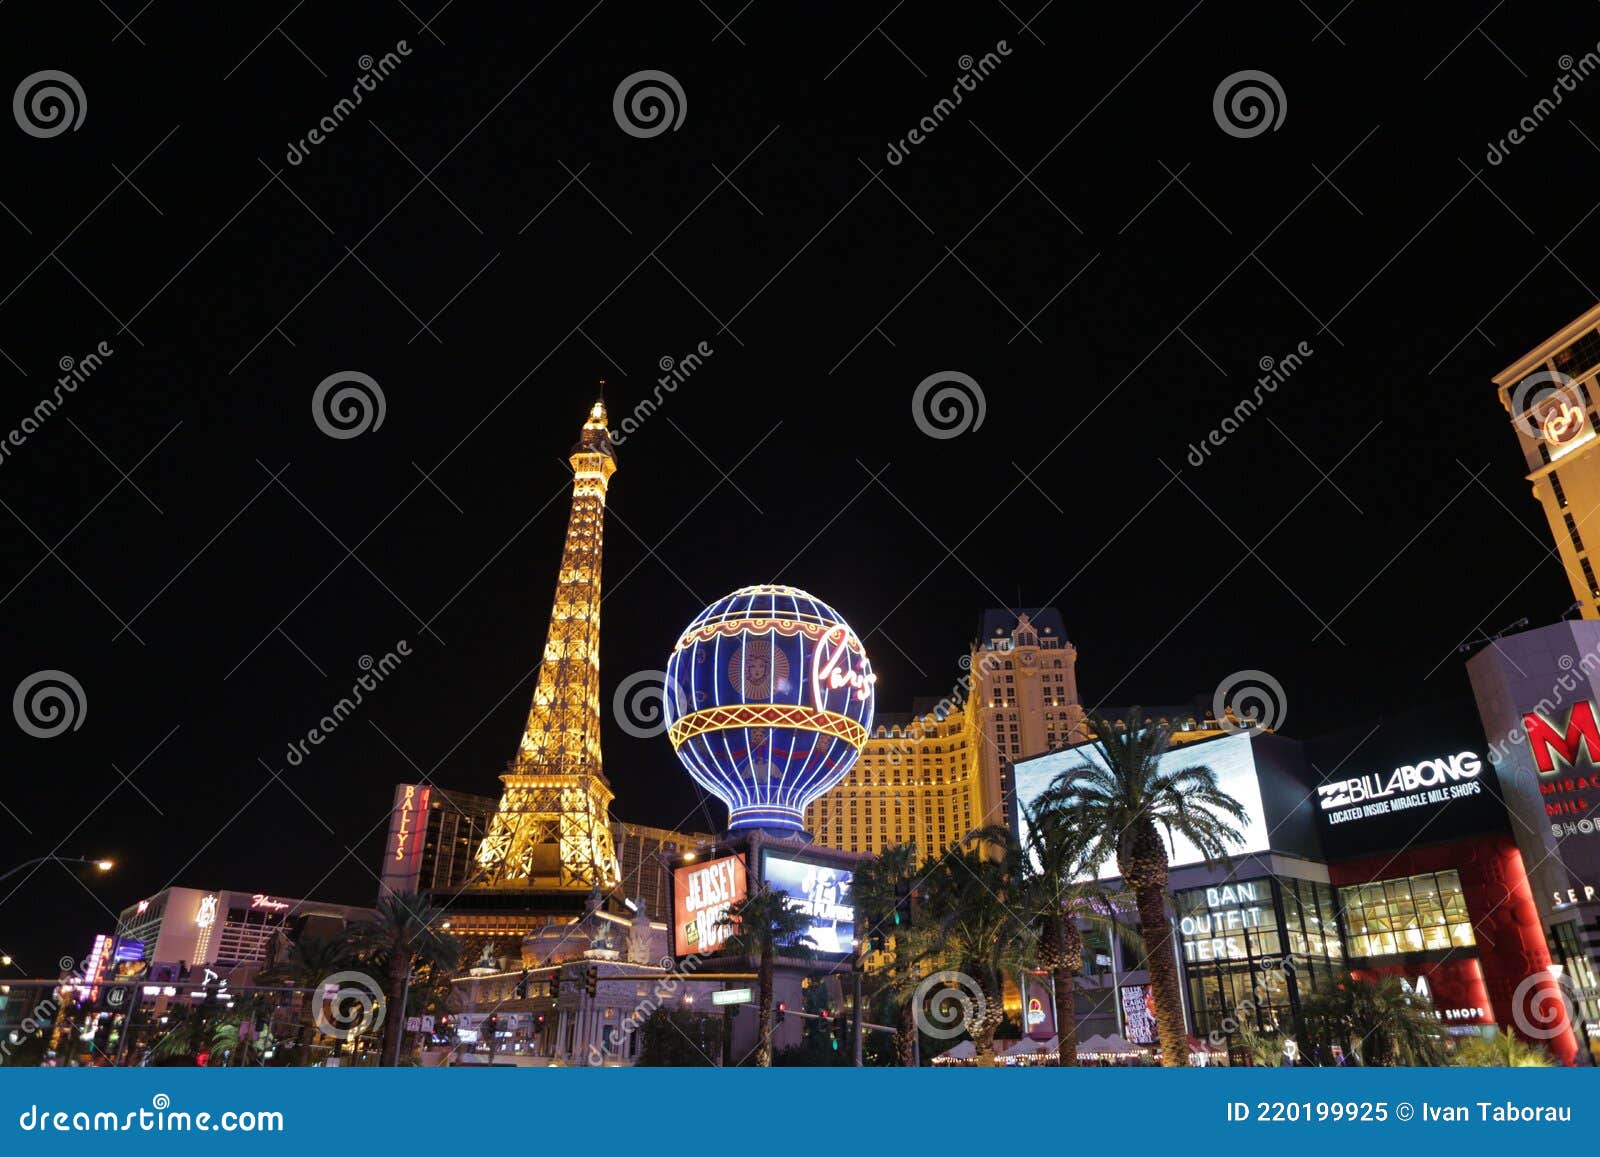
column 547, row 248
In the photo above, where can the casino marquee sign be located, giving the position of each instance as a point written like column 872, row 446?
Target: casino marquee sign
column 1428, row 783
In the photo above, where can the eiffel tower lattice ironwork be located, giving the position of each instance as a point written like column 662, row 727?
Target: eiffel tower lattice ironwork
column 553, row 826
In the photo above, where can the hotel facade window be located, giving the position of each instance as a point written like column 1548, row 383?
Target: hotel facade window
column 1426, row 913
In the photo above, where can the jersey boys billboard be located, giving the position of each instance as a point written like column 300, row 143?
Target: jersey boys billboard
column 701, row 895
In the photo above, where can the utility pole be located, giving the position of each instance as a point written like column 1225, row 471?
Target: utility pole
column 855, row 988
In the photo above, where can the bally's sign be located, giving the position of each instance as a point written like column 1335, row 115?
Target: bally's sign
column 1425, row 784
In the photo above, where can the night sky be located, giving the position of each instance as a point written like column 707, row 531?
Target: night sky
column 1080, row 236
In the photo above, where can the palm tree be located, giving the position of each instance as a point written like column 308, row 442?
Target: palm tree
column 309, row 961
column 402, row 937
column 1502, row 1051
column 977, row 906
column 1062, row 895
column 879, row 892
column 1379, row 1020
column 1122, row 802
column 762, row 925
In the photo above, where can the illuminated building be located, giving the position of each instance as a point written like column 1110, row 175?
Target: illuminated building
column 769, row 699
column 1381, row 851
column 552, row 831
column 944, row 770
column 221, row 927
column 1550, row 395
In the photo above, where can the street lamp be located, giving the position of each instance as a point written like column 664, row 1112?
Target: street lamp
column 102, row 865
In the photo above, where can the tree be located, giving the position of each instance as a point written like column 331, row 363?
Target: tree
column 309, row 961
column 881, row 888
column 401, row 938
column 1378, row 1020
column 762, row 925
column 1504, row 1050
column 1061, row 894
column 1122, row 801
column 679, row 1040
column 976, row 904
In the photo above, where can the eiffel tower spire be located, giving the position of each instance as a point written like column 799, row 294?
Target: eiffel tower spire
column 553, row 827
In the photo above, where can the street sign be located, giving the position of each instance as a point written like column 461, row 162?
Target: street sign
column 731, row 996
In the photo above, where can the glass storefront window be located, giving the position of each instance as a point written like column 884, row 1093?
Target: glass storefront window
column 1426, row 913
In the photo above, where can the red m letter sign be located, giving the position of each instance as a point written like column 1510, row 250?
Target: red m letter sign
column 1544, row 738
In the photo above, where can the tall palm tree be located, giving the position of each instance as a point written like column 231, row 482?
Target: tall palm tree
column 977, row 905
column 763, row 925
column 309, row 961
column 877, row 892
column 403, row 936
column 1379, row 1020
column 1122, row 801
column 1062, row 894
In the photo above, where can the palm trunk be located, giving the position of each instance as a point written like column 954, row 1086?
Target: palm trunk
column 764, row 1039
column 394, row 1025
column 1163, row 968
column 905, row 1036
column 1064, row 977
column 983, row 1031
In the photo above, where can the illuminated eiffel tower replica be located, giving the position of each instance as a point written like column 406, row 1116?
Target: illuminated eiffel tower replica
column 549, row 849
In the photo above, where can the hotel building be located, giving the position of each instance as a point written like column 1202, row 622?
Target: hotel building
column 1550, row 395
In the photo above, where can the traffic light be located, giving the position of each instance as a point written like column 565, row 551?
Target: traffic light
column 877, row 941
column 591, row 980
column 494, row 1024
column 902, row 903
column 777, row 1016
column 522, row 985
